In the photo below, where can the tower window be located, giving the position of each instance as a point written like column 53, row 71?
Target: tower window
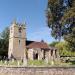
column 20, row 29
column 19, row 42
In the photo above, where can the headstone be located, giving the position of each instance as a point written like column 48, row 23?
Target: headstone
column 46, row 60
column 5, row 62
column 13, row 60
column 18, row 62
column 24, row 62
column 1, row 61
column 52, row 62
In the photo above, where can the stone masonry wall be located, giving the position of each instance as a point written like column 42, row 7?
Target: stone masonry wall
column 37, row 71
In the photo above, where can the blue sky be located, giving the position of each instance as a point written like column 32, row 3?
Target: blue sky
column 32, row 12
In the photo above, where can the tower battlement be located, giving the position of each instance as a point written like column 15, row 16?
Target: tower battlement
column 14, row 23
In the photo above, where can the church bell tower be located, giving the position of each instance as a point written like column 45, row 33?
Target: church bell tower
column 17, row 41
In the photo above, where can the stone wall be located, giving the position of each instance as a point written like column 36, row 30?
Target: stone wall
column 37, row 71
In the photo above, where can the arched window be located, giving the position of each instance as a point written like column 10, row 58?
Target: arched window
column 19, row 42
column 20, row 31
column 51, row 52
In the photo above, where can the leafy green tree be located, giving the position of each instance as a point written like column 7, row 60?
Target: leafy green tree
column 53, row 44
column 61, row 46
column 68, row 22
column 5, row 34
column 4, row 39
column 54, row 15
column 63, row 49
column 61, row 19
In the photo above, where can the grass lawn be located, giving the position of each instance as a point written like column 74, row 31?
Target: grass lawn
column 36, row 63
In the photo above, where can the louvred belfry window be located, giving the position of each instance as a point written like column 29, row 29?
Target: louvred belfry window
column 20, row 30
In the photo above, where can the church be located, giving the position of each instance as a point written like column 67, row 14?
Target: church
column 20, row 47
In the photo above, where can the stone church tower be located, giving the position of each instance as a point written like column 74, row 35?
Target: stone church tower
column 17, row 40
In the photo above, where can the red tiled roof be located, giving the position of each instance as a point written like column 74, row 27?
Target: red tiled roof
column 41, row 45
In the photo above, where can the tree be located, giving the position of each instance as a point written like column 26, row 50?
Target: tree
column 53, row 44
column 68, row 22
column 61, row 19
column 4, row 39
column 63, row 49
column 54, row 15
column 5, row 34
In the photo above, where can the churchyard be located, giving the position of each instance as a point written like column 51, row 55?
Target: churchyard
column 64, row 62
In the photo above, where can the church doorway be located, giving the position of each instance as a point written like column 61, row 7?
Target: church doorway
column 35, row 56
